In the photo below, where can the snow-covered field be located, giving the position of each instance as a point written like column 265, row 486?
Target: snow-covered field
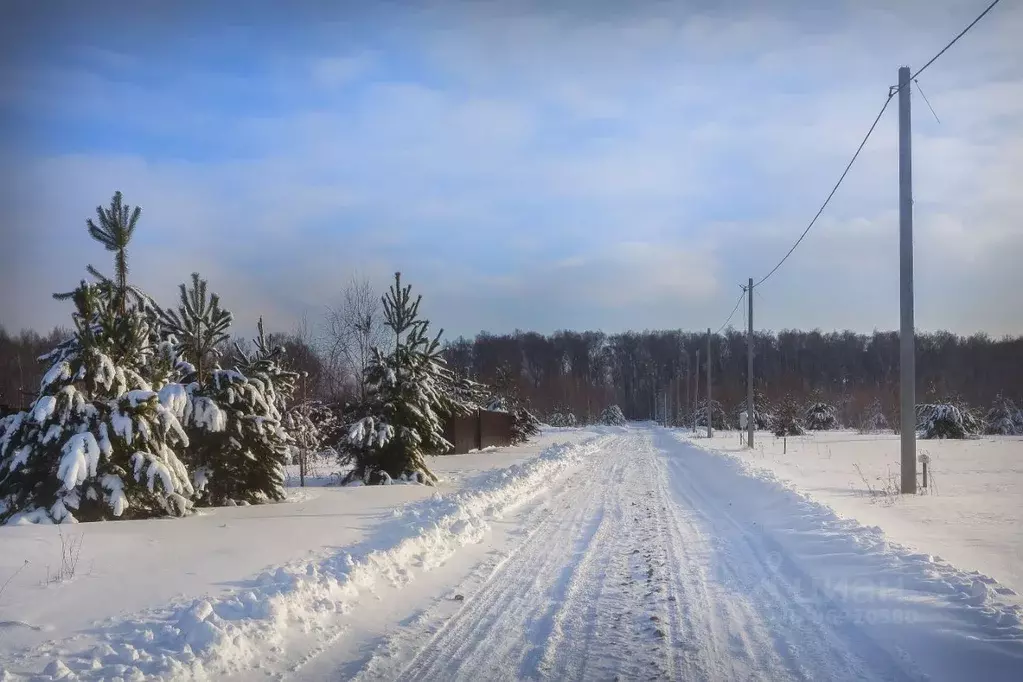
column 630, row 553
column 971, row 514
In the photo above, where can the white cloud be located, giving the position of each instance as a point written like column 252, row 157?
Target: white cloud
column 614, row 168
column 331, row 73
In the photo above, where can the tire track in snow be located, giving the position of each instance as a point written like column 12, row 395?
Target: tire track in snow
column 640, row 567
column 477, row 641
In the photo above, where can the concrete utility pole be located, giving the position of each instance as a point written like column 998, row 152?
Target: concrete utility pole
column 750, row 421
column 710, row 409
column 907, row 334
column 689, row 382
column 696, row 389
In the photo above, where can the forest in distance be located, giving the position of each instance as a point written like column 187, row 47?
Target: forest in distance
column 583, row 372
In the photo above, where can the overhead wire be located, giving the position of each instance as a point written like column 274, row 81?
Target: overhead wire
column 737, row 304
column 891, row 93
column 830, row 194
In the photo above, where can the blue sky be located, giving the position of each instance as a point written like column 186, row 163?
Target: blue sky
column 525, row 165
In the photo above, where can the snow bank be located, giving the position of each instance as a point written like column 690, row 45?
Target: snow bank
column 216, row 636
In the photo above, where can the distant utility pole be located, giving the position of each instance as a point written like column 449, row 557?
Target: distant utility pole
column 710, row 414
column 750, row 421
column 689, row 381
column 907, row 334
column 696, row 388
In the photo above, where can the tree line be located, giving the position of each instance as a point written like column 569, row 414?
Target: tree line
column 582, row 372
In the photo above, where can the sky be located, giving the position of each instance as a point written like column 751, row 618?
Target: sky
column 535, row 166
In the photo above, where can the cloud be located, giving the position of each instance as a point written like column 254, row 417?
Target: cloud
column 331, row 73
column 609, row 167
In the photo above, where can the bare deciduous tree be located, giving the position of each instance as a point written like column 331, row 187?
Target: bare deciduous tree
column 353, row 328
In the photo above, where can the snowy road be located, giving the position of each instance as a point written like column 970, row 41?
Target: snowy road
column 629, row 553
column 657, row 560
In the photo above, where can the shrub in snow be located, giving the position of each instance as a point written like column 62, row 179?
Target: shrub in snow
column 612, row 416
column 562, row 419
column 874, row 420
column 820, row 416
column 944, row 420
column 719, row 418
column 1003, row 419
column 100, row 441
column 408, row 391
column 787, row 421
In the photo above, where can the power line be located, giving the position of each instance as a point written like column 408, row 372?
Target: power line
column 737, row 304
column 891, row 93
column 954, row 40
column 833, row 190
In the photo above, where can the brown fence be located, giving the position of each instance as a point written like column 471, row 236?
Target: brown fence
column 478, row 430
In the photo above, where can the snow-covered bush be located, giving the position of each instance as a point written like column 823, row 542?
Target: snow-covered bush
column 562, row 419
column 820, row 416
column 612, row 416
column 1003, row 419
column 787, row 421
column 874, row 419
column 945, row 420
column 408, row 392
column 100, row 441
column 718, row 415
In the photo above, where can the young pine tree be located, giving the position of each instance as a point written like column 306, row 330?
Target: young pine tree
column 787, row 421
column 820, row 416
column 100, row 441
column 612, row 416
column 244, row 444
column 199, row 325
column 114, row 231
column 408, row 393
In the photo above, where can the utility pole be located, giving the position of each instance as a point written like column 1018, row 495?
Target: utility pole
column 696, row 389
column 750, row 421
column 710, row 409
column 689, row 382
column 907, row 334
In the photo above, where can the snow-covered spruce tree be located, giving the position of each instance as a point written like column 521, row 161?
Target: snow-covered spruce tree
column 612, row 416
column 820, row 416
column 525, row 424
column 565, row 419
column 249, row 466
column 944, row 420
column 100, row 441
column 408, row 393
column 718, row 415
column 787, row 421
column 469, row 395
column 1003, row 419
